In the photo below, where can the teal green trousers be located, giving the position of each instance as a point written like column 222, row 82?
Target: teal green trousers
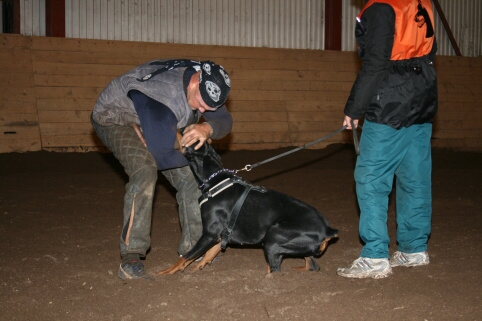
column 403, row 154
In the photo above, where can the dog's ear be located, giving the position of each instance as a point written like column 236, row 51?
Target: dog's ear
column 212, row 153
column 204, row 150
column 207, row 148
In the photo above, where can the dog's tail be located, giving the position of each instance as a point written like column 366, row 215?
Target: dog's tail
column 331, row 232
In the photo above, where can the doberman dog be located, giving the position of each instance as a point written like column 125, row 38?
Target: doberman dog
column 238, row 213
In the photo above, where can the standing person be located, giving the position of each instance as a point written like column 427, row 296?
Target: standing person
column 396, row 93
column 137, row 117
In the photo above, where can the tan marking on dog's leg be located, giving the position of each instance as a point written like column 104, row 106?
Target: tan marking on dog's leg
column 323, row 246
column 325, row 243
column 180, row 265
column 208, row 256
column 303, row 268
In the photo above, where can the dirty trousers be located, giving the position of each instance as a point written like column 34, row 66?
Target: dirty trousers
column 405, row 154
column 141, row 169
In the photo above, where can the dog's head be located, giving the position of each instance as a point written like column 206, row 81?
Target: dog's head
column 203, row 162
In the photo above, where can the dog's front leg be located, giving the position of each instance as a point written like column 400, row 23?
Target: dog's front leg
column 180, row 265
column 208, row 257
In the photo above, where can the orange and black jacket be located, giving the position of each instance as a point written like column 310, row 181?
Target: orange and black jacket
column 397, row 83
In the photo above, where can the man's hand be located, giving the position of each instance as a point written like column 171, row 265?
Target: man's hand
column 347, row 122
column 196, row 132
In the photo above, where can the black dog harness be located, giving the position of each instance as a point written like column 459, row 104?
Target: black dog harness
column 233, row 216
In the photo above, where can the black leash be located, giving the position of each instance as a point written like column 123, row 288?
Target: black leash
column 355, row 140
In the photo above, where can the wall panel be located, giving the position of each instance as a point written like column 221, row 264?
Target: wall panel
column 280, row 97
column 247, row 23
column 32, row 17
column 19, row 125
column 465, row 20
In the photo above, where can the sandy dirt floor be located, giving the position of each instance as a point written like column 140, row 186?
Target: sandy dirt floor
column 60, row 219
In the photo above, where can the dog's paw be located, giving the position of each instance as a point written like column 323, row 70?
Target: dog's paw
column 198, row 267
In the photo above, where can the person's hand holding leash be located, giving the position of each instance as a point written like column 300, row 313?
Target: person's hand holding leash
column 347, row 122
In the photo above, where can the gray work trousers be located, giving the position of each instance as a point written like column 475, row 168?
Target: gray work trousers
column 141, row 168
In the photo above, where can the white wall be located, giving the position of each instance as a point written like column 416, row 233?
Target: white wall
column 297, row 24
column 465, row 20
column 248, row 23
column 32, row 17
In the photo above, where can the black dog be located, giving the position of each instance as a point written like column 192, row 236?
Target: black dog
column 239, row 213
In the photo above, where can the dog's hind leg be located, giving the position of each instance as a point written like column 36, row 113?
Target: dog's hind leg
column 310, row 265
column 324, row 244
column 310, row 262
column 274, row 261
column 208, row 257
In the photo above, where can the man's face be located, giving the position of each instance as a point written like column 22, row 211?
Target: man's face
column 194, row 98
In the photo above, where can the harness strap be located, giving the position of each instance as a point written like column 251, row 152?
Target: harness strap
column 226, row 233
column 221, row 186
column 169, row 65
column 233, row 216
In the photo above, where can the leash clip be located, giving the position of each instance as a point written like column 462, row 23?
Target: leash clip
column 246, row 168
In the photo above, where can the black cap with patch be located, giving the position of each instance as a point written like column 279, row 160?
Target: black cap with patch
column 214, row 84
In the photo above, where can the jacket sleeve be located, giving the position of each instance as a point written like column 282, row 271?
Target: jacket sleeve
column 375, row 34
column 158, row 124
column 220, row 120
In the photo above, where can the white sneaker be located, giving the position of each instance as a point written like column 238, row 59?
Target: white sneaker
column 409, row 259
column 364, row 267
